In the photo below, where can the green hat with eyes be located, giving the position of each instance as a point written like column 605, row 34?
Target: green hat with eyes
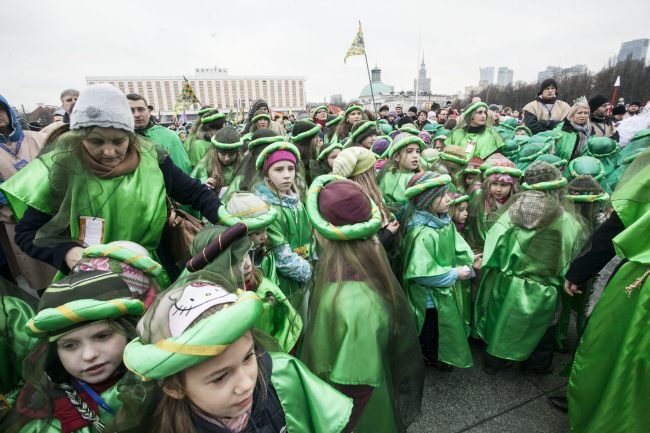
column 269, row 150
column 321, row 107
column 402, row 141
column 249, row 209
column 80, row 298
column 460, row 199
column 329, row 149
column 343, row 201
column 174, row 337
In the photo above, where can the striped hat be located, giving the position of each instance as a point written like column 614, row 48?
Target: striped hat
column 353, row 161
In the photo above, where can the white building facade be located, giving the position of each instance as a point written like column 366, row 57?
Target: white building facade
column 215, row 87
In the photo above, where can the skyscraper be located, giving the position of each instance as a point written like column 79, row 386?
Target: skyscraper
column 487, row 76
column 504, row 76
column 422, row 83
column 634, row 50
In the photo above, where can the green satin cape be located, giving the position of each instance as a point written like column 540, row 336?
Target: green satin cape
column 353, row 340
column 430, row 252
column 522, row 271
column 279, row 319
column 609, row 387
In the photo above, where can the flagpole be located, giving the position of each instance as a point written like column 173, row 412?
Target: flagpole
column 617, row 84
column 372, row 92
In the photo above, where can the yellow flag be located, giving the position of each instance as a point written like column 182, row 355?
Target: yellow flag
column 358, row 46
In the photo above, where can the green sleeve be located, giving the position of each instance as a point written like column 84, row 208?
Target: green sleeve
column 30, row 187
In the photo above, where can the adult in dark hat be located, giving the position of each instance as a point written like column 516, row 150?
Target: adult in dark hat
column 546, row 111
column 383, row 112
column 601, row 124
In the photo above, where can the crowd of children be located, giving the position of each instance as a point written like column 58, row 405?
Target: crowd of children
column 344, row 258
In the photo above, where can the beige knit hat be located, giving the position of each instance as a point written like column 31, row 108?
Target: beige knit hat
column 353, row 161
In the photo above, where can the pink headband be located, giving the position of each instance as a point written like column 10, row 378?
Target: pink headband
column 501, row 177
column 277, row 156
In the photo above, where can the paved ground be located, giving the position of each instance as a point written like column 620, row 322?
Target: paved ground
column 468, row 400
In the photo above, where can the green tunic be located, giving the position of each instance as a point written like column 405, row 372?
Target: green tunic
column 169, row 141
column 485, row 143
column 15, row 344
column 429, row 252
column 197, row 150
column 523, row 270
column 566, row 143
column 393, row 188
column 133, row 206
column 350, row 343
column 609, row 384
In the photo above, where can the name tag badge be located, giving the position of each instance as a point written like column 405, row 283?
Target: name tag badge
column 469, row 149
column 20, row 164
column 91, row 230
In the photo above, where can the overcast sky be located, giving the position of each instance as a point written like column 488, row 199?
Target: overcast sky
column 51, row 45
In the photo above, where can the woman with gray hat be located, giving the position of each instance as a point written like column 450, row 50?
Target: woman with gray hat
column 98, row 183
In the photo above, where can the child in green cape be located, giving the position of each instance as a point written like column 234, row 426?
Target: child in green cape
column 404, row 162
column 527, row 251
column 197, row 339
column 435, row 258
column 361, row 336
column 458, row 210
column 217, row 167
column 76, row 376
column 290, row 235
column 198, row 142
column 501, row 182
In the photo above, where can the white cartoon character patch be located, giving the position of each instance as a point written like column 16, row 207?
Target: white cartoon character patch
column 195, row 299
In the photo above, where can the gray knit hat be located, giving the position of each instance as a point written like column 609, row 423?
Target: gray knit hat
column 102, row 105
column 541, row 171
